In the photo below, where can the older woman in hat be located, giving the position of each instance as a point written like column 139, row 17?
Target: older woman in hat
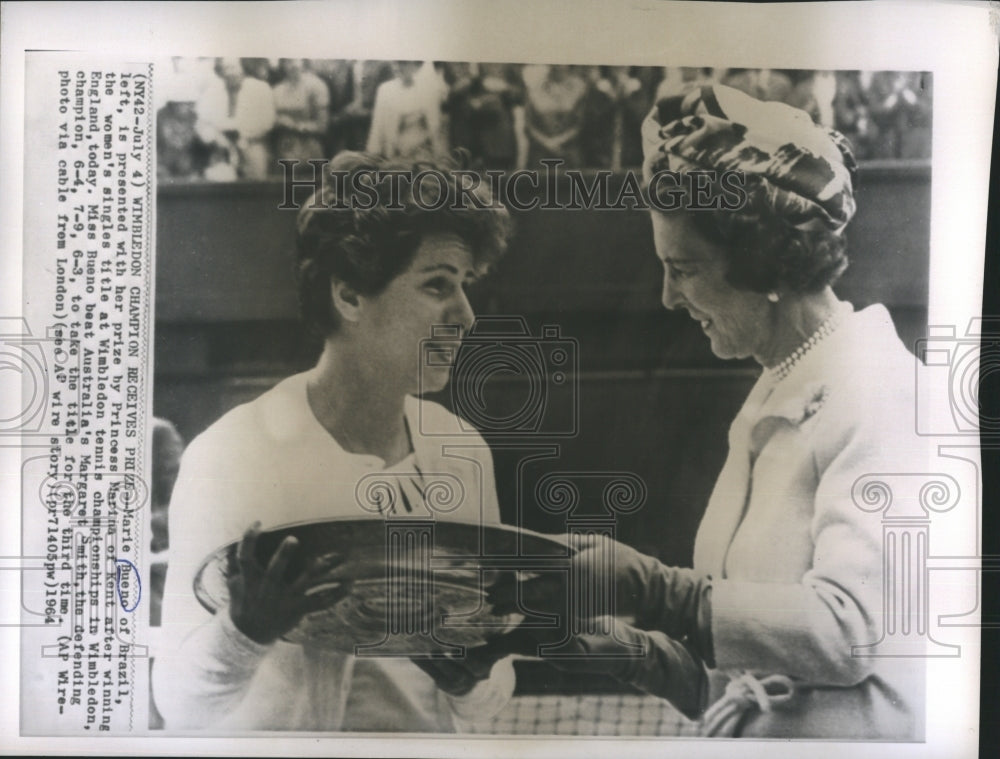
column 770, row 633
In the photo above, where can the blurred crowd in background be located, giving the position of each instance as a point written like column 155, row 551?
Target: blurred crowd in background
column 232, row 118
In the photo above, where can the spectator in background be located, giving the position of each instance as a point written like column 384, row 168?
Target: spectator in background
column 850, row 113
column 649, row 77
column 433, row 77
column 485, row 109
column 799, row 92
column 235, row 118
column 916, row 138
column 214, row 123
column 366, row 78
column 679, row 80
column 901, row 108
column 262, row 69
column 406, row 118
column 597, row 132
column 553, row 114
column 338, row 76
column 499, row 115
column 824, row 90
column 301, row 104
column 776, row 85
column 745, row 80
column 634, row 102
column 463, row 81
column 182, row 80
column 615, row 108
column 180, row 155
column 804, row 89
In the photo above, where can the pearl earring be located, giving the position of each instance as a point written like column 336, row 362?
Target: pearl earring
column 773, row 296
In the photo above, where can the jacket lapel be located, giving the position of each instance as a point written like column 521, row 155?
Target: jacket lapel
column 769, row 408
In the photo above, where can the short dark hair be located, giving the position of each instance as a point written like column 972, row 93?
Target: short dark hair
column 765, row 252
column 367, row 244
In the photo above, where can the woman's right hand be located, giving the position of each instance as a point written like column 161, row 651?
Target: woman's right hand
column 264, row 604
column 601, row 558
column 598, row 561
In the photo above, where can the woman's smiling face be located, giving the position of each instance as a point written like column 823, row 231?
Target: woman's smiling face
column 739, row 323
column 398, row 323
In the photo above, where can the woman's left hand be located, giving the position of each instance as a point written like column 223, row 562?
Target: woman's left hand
column 645, row 659
column 264, row 603
column 674, row 600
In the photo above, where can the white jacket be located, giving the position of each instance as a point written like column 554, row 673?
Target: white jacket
column 271, row 460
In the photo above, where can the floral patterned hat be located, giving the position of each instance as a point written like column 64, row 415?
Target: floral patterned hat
column 802, row 172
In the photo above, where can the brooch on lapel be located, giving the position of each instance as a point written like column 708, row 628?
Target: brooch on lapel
column 793, row 410
column 791, row 413
column 816, row 400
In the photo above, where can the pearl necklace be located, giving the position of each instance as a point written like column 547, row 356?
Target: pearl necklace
column 824, row 330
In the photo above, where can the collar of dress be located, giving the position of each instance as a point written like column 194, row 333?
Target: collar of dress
column 798, row 397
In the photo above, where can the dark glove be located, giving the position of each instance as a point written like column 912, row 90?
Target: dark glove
column 672, row 600
column 459, row 674
column 647, row 660
column 543, row 601
column 264, row 601
column 667, row 668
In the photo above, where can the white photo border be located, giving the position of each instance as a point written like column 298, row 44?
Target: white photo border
column 956, row 42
